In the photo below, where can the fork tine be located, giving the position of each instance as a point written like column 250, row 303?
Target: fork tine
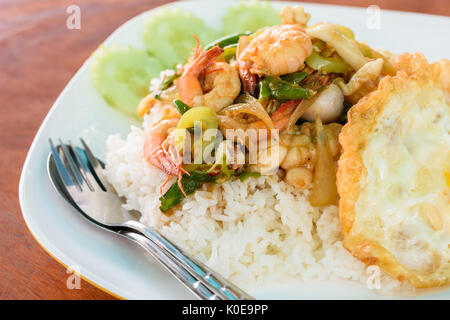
column 95, row 165
column 71, row 167
column 79, row 163
column 63, row 173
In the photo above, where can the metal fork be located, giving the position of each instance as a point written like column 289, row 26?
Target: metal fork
column 78, row 176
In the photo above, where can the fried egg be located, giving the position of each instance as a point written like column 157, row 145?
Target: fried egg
column 394, row 174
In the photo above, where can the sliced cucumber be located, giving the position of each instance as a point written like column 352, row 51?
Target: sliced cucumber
column 249, row 16
column 122, row 76
column 167, row 35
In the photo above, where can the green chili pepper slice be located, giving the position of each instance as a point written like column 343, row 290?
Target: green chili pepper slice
column 180, row 106
column 264, row 91
column 280, row 89
column 227, row 40
column 247, row 174
column 296, row 77
column 166, row 84
column 229, row 52
column 326, row 64
column 283, row 90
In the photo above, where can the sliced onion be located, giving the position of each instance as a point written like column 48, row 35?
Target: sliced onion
column 324, row 191
column 253, row 107
column 368, row 72
column 345, row 47
column 229, row 123
column 226, row 122
column 298, row 112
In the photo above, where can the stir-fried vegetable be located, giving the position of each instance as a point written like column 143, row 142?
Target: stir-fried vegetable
column 229, row 52
column 346, row 31
column 227, row 40
column 205, row 115
column 190, row 119
column 190, row 167
column 334, row 37
column 165, row 84
column 180, row 106
column 221, row 161
column 247, row 174
column 280, row 117
column 368, row 52
column 230, row 123
column 324, row 191
column 295, row 78
column 248, row 104
column 190, row 183
column 264, row 91
column 283, row 90
column 370, row 71
column 365, row 49
column 326, row 64
column 298, row 113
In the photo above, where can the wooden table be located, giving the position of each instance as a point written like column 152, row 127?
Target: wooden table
column 38, row 56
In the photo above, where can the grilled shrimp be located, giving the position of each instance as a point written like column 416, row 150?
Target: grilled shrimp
column 160, row 150
column 221, row 83
column 276, row 51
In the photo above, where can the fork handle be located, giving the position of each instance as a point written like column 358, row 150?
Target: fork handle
column 198, row 289
column 221, row 287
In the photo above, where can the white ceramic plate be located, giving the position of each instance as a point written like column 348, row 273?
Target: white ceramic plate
column 117, row 265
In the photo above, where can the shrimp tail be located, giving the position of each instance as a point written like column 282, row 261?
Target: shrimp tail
column 204, row 60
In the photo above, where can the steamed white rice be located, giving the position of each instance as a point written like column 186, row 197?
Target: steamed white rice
column 259, row 231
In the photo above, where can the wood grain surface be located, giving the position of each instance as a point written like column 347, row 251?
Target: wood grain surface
column 38, row 56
